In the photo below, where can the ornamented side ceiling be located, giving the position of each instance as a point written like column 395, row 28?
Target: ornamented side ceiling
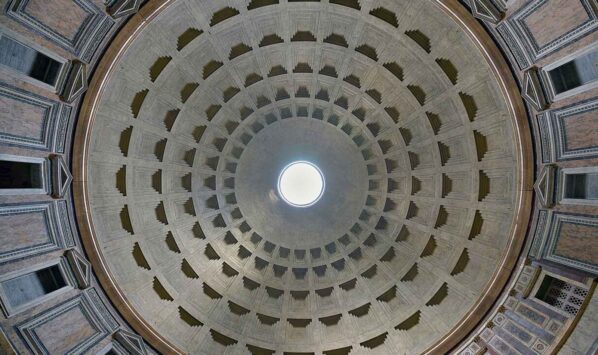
column 145, row 206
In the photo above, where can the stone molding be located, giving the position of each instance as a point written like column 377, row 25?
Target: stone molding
column 61, row 176
column 53, row 124
column 81, row 268
column 121, row 8
column 88, row 37
column 533, row 92
column 521, row 40
column 544, row 186
column 76, row 82
column 59, row 235
column 486, row 10
column 131, row 341
column 553, row 134
column 89, row 304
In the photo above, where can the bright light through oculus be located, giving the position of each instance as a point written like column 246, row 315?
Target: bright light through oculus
column 301, row 184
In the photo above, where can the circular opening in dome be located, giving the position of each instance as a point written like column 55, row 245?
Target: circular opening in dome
column 301, row 184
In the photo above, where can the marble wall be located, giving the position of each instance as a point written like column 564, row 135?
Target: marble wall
column 37, row 122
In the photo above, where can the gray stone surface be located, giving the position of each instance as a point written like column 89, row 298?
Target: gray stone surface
column 291, row 140
column 408, row 126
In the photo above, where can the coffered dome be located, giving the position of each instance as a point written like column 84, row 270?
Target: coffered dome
column 192, row 120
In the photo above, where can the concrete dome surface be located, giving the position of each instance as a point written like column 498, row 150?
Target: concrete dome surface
column 290, row 177
column 204, row 108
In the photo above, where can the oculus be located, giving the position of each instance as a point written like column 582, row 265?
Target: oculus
column 301, row 184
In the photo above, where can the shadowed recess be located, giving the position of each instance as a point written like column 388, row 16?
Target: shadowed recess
column 222, row 15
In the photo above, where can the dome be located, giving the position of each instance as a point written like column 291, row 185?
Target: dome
column 298, row 177
column 195, row 121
